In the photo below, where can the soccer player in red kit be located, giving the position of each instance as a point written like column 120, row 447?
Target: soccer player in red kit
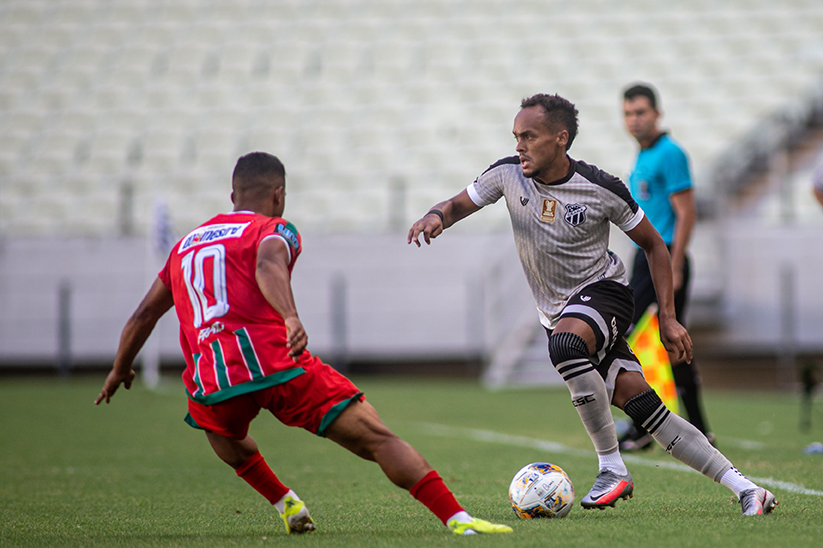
column 245, row 350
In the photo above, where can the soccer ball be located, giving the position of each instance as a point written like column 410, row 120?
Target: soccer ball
column 541, row 490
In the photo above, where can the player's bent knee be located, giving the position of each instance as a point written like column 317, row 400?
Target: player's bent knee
column 567, row 346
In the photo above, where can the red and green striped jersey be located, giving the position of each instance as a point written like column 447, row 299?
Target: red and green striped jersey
column 233, row 340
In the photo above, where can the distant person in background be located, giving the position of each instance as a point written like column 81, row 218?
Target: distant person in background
column 817, row 182
column 245, row 350
column 661, row 183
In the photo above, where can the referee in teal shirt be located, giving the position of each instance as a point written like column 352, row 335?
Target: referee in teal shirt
column 661, row 184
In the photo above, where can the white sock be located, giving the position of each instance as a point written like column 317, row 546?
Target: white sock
column 281, row 504
column 590, row 398
column 736, row 481
column 462, row 517
column 614, row 462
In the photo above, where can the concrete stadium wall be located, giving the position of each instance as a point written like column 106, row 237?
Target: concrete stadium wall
column 104, row 281
column 361, row 298
column 773, row 286
column 375, row 298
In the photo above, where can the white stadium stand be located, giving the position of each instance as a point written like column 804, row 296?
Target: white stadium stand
column 378, row 108
column 417, row 87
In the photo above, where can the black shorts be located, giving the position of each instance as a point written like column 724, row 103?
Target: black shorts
column 607, row 307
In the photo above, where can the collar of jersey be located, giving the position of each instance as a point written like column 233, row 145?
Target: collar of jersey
column 572, row 169
column 657, row 140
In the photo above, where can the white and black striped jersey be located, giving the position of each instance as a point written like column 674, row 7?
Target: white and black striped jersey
column 561, row 229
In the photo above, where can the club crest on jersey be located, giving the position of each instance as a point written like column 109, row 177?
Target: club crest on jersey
column 575, row 214
column 212, row 233
column 549, row 210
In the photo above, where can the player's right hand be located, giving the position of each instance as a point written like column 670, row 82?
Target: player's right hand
column 430, row 226
column 113, row 382
column 296, row 337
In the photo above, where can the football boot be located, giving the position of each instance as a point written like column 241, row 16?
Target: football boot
column 476, row 526
column 296, row 517
column 635, row 440
column 758, row 501
column 607, row 488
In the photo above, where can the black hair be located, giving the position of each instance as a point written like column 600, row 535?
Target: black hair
column 256, row 164
column 258, row 172
column 557, row 111
column 641, row 90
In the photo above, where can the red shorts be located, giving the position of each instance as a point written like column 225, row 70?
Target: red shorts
column 311, row 401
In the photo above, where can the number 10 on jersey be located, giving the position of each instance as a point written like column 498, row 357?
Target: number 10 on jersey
column 203, row 288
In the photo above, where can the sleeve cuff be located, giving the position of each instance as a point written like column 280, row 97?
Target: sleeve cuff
column 685, row 185
column 633, row 222
column 475, row 197
column 279, row 237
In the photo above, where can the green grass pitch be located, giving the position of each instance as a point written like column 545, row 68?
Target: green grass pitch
column 133, row 474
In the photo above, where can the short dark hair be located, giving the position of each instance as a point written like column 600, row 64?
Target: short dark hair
column 641, row 90
column 558, row 111
column 258, row 173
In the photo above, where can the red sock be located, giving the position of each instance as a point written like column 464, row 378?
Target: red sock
column 433, row 493
column 257, row 473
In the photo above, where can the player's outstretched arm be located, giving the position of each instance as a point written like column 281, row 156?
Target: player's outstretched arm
column 441, row 217
column 674, row 336
column 274, row 280
column 138, row 328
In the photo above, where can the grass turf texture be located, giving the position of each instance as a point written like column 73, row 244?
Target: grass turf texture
column 133, row 474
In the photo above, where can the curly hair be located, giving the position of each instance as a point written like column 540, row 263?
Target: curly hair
column 558, row 111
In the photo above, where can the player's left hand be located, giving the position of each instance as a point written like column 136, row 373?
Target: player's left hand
column 296, row 337
column 676, row 340
column 113, row 382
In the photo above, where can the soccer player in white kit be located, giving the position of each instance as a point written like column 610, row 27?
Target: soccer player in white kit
column 560, row 211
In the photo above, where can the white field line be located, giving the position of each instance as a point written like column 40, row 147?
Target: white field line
column 555, row 447
column 744, row 444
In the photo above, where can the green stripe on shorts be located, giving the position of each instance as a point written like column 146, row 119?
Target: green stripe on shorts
column 334, row 412
column 191, row 422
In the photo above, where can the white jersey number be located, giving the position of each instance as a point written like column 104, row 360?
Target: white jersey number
column 195, row 274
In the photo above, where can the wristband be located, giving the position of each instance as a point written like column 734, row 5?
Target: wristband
column 438, row 213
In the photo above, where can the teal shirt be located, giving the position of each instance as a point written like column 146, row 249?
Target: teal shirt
column 660, row 171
